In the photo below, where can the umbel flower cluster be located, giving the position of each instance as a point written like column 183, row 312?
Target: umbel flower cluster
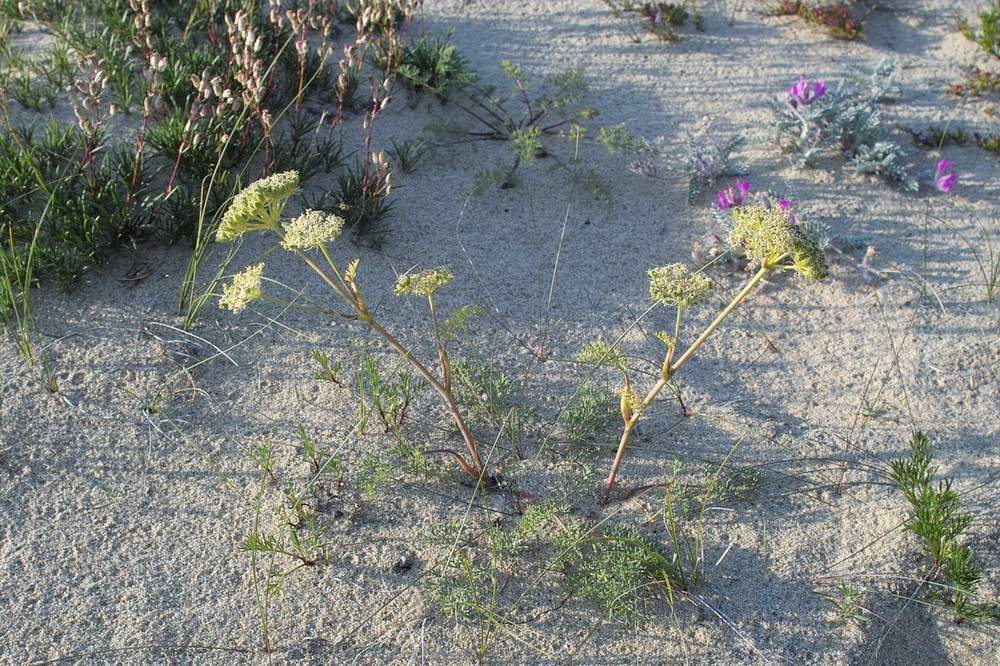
column 258, row 207
column 771, row 242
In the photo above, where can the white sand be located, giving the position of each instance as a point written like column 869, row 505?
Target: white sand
column 157, row 576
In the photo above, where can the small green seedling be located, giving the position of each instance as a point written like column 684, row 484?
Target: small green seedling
column 935, row 518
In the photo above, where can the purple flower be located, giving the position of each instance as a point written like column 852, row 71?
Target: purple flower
column 943, row 179
column 800, row 93
column 787, row 205
column 731, row 199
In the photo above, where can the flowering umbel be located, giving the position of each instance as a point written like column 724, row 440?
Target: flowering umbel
column 769, row 240
column 424, row 283
column 311, row 229
column 259, row 206
column 244, row 289
column 675, row 285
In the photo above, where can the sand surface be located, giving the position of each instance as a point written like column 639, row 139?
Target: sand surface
column 125, row 496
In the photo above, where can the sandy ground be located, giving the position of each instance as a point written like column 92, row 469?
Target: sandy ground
column 153, row 571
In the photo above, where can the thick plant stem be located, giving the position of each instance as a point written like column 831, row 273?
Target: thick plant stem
column 668, row 372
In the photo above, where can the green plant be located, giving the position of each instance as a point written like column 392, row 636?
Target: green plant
column 847, row 604
column 988, row 35
column 485, row 571
column 937, row 137
column 769, row 241
column 658, row 18
column 327, row 372
column 259, row 208
column 299, row 535
column 320, row 459
column 526, row 118
column 815, row 118
column 936, row 519
column 407, row 154
column 839, row 19
column 434, row 66
column 707, row 158
column 374, row 472
column 612, row 568
column 389, row 398
column 987, row 257
column 990, row 142
column 592, row 412
column 362, row 199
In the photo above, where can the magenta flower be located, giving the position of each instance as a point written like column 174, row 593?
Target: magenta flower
column 800, row 93
column 728, row 198
column 944, row 180
column 786, row 205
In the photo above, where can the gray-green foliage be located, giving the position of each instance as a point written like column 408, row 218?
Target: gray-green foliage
column 476, row 562
column 592, row 412
column 708, row 158
column 843, row 119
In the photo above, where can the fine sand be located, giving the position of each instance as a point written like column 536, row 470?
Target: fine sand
column 121, row 525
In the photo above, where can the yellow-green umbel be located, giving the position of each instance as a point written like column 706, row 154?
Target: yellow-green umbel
column 259, row 206
column 311, row 229
column 424, row 283
column 769, row 240
column 244, row 289
column 677, row 286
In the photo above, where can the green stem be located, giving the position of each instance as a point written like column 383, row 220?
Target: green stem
column 350, row 294
column 446, row 394
column 671, row 369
